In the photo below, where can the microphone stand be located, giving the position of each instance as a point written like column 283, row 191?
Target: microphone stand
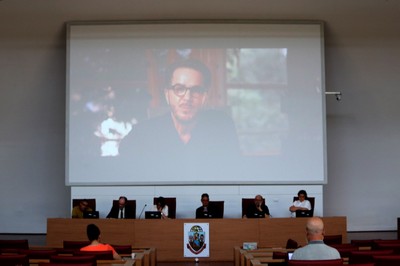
column 142, row 211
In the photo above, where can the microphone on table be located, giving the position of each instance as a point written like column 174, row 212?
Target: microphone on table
column 142, row 211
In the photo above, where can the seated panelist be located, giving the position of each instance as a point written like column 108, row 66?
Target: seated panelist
column 258, row 209
column 83, row 206
column 122, row 210
column 161, row 207
column 302, row 203
column 206, row 210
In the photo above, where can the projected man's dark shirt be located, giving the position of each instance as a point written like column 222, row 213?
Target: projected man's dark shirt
column 154, row 147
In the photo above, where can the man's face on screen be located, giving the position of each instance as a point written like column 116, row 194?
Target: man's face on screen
column 186, row 94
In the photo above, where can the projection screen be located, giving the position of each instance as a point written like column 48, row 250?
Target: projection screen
column 195, row 103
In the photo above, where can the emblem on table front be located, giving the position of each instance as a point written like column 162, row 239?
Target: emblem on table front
column 196, row 238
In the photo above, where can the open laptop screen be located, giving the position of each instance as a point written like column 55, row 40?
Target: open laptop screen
column 91, row 215
column 152, row 215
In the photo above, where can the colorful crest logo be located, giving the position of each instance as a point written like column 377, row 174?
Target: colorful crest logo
column 196, row 239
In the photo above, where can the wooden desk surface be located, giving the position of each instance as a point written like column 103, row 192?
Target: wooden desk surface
column 167, row 235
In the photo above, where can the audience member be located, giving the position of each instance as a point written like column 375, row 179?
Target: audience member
column 78, row 210
column 122, row 210
column 258, row 209
column 93, row 234
column 301, row 204
column 161, row 207
column 206, row 210
column 315, row 249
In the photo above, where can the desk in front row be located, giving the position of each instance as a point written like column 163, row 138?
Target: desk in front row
column 167, row 235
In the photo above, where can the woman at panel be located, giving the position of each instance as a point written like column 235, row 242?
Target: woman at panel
column 161, row 207
column 302, row 203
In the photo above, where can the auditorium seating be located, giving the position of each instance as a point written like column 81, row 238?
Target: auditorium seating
column 345, row 249
column 332, row 239
column 73, row 259
column 14, row 244
column 366, row 256
column 291, row 244
column 122, row 249
column 363, row 243
column 99, row 255
column 388, row 260
column 38, row 253
column 171, row 203
column 74, row 245
column 338, row 262
column 13, row 260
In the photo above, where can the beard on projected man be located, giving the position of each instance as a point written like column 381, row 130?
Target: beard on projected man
column 185, row 96
column 191, row 139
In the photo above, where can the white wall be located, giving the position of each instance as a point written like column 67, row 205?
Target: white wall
column 362, row 60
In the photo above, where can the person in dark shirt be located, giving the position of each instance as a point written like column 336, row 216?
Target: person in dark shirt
column 206, row 210
column 190, row 141
column 258, row 209
column 122, row 211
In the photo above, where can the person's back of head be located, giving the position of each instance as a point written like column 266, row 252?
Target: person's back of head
column 315, row 229
column 93, row 232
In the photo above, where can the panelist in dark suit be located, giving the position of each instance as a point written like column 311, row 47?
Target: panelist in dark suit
column 206, row 210
column 257, row 209
column 122, row 211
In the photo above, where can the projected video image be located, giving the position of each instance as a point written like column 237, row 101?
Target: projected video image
column 203, row 111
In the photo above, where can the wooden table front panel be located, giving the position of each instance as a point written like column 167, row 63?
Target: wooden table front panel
column 167, row 235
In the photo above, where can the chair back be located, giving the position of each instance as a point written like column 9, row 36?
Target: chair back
column 333, row 239
column 13, row 260
column 388, row 260
column 277, row 255
column 345, row 249
column 73, row 259
column 366, row 256
column 337, row 262
column 14, row 244
column 99, row 255
column 291, row 244
column 91, row 203
column 312, row 202
column 171, row 203
column 389, row 246
column 39, row 253
column 219, row 208
column 74, row 245
column 363, row 242
column 122, row 249
column 130, row 203
column 246, row 202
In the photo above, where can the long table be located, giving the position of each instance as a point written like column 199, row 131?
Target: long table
column 167, row 235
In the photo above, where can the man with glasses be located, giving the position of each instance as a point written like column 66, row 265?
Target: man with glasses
column 191, row 139
column 206, row 210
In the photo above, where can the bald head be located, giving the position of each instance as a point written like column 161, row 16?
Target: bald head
column 315, row 228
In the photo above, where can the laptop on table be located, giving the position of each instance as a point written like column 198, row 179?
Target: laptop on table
column 152, row 215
